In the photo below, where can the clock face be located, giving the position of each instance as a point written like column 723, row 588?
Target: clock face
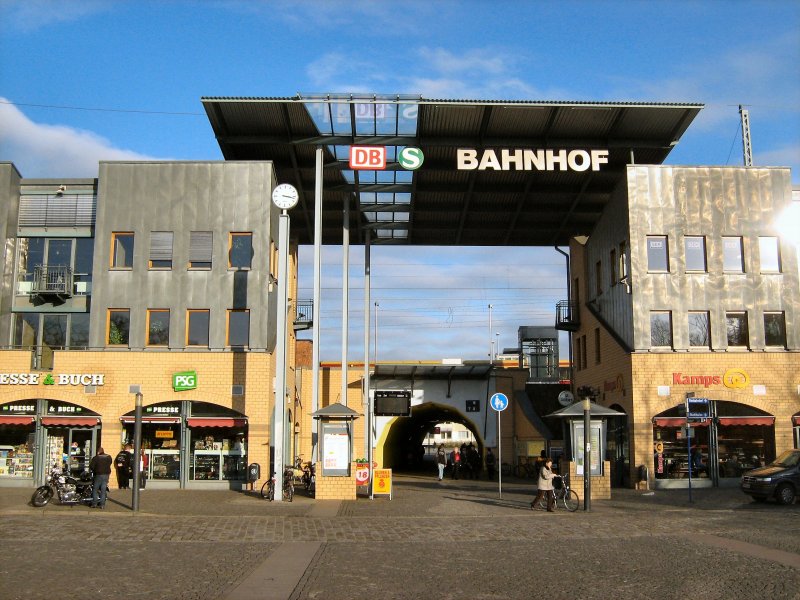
column 284, row 196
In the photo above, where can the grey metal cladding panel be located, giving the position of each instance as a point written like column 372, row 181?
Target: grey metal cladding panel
column 614, row 304
column 711, row 202
column 182, row 197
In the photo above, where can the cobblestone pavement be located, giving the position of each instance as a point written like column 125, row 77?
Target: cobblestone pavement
column 448, row 540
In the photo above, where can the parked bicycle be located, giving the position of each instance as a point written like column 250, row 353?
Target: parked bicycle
column 268, row 489
column 566, row 496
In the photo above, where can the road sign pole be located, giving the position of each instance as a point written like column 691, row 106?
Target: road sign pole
column 499, row 457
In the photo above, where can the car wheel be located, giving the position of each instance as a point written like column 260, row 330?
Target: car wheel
column 785, row 494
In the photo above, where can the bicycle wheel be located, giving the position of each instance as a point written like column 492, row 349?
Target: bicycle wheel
column 571, row 501
column 268, row 490
column 288, row 492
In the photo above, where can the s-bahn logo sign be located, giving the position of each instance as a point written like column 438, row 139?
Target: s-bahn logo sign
column 520, row 159
column 373, row 158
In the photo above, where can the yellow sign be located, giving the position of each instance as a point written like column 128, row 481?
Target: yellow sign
column 161, row 433
column 735, row 378
column 382, row 482
column 660, row 447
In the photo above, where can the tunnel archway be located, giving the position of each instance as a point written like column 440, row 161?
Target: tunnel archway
column 403, row 448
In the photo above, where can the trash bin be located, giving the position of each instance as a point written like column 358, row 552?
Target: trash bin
column 253, row 472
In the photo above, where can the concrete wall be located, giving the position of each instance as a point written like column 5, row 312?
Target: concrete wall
column 9, row 210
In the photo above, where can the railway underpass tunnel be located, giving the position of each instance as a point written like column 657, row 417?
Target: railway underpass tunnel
column 409, row 441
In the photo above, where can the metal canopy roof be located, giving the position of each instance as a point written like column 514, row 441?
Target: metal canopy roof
column 438, row 204
column 476, row 370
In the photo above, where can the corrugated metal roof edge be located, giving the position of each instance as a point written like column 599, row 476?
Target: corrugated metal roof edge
column 421, row 100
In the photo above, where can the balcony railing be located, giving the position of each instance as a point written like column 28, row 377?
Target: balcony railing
column 567, row 316
column 52, row 280
column 304, row 318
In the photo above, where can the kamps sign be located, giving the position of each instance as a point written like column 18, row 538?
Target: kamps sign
column 184, row 381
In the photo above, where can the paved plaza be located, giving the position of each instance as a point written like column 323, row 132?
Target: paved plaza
column 442, row 541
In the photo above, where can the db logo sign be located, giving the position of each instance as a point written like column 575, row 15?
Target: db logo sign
column 184, row 381
column 367, row 158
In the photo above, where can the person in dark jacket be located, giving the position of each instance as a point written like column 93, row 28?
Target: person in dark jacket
column 122, row 463
column 100, row 466
column 490, row 464
column 441, row 461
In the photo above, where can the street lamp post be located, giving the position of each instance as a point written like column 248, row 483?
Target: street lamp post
column 491, row 339
column 587, row 393
column 137, row 446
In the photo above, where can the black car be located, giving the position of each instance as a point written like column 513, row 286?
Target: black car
column 779, row 479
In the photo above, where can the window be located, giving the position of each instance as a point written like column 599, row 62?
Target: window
column 160, row 250
column 597, row 346
column 584, row 362
column 158, row 327
column 699, row 332
column 694, row 248
column 197, row 327
column 774, row 329
column 736, row 323
column 84, row 249
column 240, row 251
column 598, row 278
column 119, row 325
column 79, row 330
column 122, row 250
column 273, row 259
column 238, row 328
column 770, row 255
column 657, row 257
column 732, row 261
column 623, row 266
column 26, row 330
column 660, row 329
column 612, row 266
column 578, row 366
column 201, row 247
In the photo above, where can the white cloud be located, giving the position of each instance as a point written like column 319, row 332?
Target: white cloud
column 40, row 150
column 30, row 15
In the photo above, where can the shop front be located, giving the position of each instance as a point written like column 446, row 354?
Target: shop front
column 37, row 434
column 191, row 444
column 735, row 439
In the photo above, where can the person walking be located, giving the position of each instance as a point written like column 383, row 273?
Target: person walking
column 490, row 463
column 546, row 486
column 100, row 466
column 122, row 463
column 144, row 461
column 455, row 459
column 441, row 460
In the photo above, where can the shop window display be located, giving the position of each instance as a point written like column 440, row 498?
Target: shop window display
column 218, row 454
column 16, row 453
column 745, row 440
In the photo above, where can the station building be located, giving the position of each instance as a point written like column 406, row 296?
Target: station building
column 156, row 274
column 163, row 275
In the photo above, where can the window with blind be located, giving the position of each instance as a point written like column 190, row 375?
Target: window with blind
column 201, row 246
column 160, row 250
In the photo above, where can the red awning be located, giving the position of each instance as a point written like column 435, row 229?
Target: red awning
column 747, row 421
column 670, row 422
column 213, row 422
column 796, row 419
column 21, row 420
column 70, row 421
column 129, row 419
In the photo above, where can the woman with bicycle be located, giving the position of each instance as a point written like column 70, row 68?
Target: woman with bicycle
column 545, row 485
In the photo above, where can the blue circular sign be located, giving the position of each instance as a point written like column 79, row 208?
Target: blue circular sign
column 499, row 401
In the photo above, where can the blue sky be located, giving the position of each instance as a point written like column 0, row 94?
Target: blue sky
column 89, row 80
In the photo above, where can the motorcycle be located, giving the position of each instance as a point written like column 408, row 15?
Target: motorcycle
column 70, row 491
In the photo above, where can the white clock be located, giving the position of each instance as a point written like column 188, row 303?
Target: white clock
column 284, row 196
